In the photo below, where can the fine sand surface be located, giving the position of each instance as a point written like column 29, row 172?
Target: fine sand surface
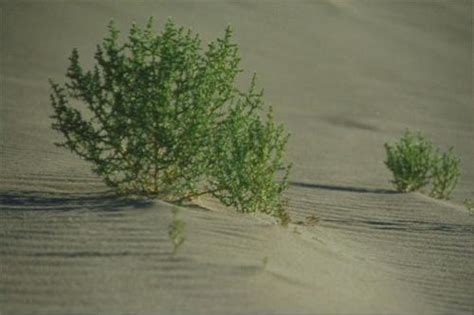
column 344, row 76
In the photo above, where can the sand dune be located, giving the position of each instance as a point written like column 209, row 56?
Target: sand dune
column 344, row 76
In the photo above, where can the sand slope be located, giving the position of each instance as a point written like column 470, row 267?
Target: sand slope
column 344, row 76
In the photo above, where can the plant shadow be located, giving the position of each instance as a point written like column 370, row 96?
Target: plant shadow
column 42, row 201
column 405, row 225
column 343, row 188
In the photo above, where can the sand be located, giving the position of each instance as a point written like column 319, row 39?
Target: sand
column 343, row 76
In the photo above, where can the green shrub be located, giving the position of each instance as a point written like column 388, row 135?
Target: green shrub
column 445, row 174
column 410, row 161
column 159, row 116
column 248, row 152
column 415, row 162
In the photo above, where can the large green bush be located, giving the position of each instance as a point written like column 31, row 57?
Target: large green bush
column 158, row 115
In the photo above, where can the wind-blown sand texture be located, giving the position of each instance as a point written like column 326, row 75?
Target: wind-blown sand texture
column 344, row 76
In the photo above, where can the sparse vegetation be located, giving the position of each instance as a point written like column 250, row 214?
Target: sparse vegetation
column 159, row 116
column 469, row 204
column 311, row 220
column 446, row 173
column 264, row 262
column 415, row 162
column 176, row 231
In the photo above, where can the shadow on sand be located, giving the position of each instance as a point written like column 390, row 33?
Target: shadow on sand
column 405, row 225
column 343, row 188
column 41, row 201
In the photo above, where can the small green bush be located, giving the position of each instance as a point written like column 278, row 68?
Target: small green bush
column 410, row 161
column 415, row 162
column 159, row 116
